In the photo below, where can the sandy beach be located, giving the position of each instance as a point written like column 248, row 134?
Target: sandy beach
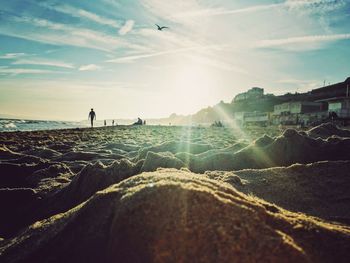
column 175, row 194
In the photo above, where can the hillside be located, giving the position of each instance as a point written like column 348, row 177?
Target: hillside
column 221, row 111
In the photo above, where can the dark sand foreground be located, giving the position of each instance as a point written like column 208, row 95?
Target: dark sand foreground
column 173, row 194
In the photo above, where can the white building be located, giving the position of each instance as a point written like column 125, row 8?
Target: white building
column 298, row 112
column 253, row 93
column 341, row 106
column 296, row 107
column 260, row 118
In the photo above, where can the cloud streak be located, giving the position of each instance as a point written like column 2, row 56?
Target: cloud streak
column 127, row 27
column 17, row 71
column 43, row 62
column 45, row 31
column 291, row 5
column 127, row 59
column 12, row 55
column 318, row 6
column 89, row 67
column 270, row 43
column 84, row 14
column 220, row 11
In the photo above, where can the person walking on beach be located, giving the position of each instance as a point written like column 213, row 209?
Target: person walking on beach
column 105, row 123
column 92, row 117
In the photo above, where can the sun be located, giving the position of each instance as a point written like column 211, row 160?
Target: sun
column 193, row 84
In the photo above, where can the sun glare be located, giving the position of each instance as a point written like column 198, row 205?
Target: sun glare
column 192, row 84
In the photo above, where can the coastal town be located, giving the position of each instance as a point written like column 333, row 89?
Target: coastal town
column 328, row 103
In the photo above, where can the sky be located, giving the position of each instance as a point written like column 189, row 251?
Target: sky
column 58, row 59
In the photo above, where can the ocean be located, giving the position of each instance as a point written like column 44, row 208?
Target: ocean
column 33, row 125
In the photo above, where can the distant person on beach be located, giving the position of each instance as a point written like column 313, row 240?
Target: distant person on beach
column 105, row 123
column 332, row 115
column 112, row 122
column 144, row 122
column 139, row 122
column 92, row 117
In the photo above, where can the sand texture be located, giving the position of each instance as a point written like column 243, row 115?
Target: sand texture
column 175, row 194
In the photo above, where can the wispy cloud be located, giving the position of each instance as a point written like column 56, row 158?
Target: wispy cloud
column 12, row 55
column 46, row 31
column 270, row 43
column 127, row 27
column 39, row 22
column 89, row 67
column 17, row 71
column 218, row 64
column 318, row 6
column 43, row 62
column 81, row 13
column 221, row 11
column 127, row 59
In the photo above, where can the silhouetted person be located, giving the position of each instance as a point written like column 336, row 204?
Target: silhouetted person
column 144, row 122
column 92, row 117
column 112, row 122
column 333, row 115
column 139, row 122
column 105, row 123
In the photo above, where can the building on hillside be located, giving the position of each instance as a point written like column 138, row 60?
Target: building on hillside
column 340, row 106
column 253, row 118
column 298, row 113
column 340, row 89
column 297, row 107
column 310, row 118
column 253, row 93
column 257, row 118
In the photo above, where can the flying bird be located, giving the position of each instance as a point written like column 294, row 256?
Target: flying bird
column 161, row 27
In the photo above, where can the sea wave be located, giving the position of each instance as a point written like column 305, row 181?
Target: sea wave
column 10, row 125
column 32, row 125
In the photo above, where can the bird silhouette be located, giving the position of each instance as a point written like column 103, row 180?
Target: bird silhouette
column 161, row 27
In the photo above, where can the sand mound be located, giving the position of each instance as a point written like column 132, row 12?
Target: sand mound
column 326, row 130
column 45, row 153
column 9, row 156
column 263, row 141
column 95, row 177
column 60, row 193
column 175, row 147
column 78, row 155
column 89, row 180
column 16, row 175
column 176, row 216
column 293, row 147
column 16, row 206
column 122, row 146
column 229, row 149
column 215, row 160
column 50, row 179
column 320, row 189
column 6, row 153
column 154, row 161
column 289, row 148
column 54, row 170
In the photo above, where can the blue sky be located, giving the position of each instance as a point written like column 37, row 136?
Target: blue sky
column 60, row 58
